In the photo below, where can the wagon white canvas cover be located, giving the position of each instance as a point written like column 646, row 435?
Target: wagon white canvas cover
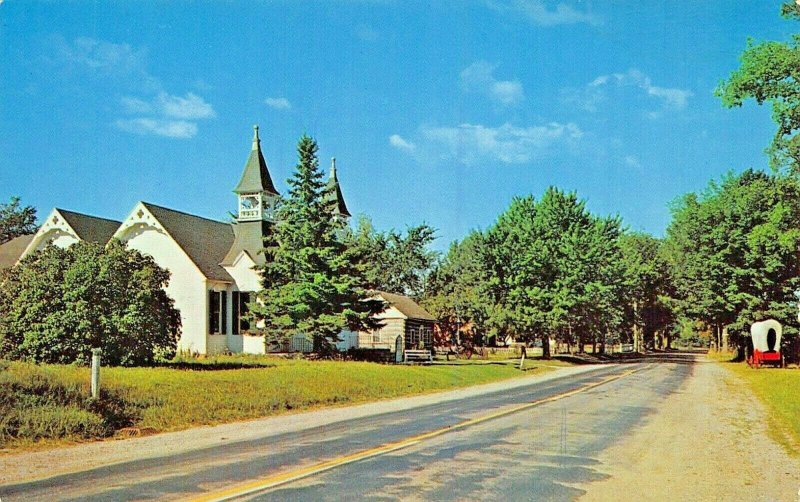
column 766, row 335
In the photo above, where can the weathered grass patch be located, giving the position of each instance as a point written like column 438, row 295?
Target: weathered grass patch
column 720, row 356
column 779, row 390
column 51, row 401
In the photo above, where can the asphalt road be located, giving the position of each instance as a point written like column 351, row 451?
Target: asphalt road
column 493, row 447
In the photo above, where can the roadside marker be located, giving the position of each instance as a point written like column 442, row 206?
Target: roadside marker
column 304, row 472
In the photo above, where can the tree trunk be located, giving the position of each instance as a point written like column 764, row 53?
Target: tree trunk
column 725, row 338
column 546, row 347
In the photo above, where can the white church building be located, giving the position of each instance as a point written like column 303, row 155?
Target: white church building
column 211, row 262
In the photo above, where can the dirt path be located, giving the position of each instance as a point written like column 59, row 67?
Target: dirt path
column 699, row 447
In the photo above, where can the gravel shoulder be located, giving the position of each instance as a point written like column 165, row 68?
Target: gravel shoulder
column 35, row 465
column 708, row 441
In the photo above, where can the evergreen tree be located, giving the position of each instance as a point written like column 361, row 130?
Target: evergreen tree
column 311, row 282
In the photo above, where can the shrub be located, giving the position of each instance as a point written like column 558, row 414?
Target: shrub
column 57, row 304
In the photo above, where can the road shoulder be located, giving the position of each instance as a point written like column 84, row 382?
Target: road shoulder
column 708, row 441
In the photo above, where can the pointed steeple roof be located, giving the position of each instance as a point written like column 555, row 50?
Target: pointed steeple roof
column 255, row 177
column 333, row 183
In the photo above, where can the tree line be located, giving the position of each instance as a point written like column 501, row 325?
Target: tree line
column 547, row 269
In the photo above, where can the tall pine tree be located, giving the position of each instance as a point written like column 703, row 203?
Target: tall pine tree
column 311, row 285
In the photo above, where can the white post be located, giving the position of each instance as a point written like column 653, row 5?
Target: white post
column 96, row 372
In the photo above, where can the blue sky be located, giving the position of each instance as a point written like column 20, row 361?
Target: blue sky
column 435, row 114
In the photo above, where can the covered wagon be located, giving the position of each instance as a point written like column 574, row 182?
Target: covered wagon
column 764, row 345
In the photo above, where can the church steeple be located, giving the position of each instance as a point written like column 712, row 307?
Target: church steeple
column 333, row 185
column 257, row 194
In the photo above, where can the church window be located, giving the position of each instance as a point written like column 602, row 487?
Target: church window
column 217, row 312
column 240, row 310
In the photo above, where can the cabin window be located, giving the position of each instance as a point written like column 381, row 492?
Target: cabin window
column 240, row 310
column 217, row 312
column 418, row 335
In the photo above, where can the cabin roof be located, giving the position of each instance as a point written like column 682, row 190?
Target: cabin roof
column 406, row 306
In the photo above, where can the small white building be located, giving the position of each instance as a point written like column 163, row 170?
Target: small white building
column 211, row 262
column 404, row 325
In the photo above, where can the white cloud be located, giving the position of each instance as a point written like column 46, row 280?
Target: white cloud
column 538, row 13
column 398, row 142
column 278, row 103
column 167, row 128
column 190, row 107
column 479, row 77
column 107, row 59
column 155, row 111
column 673, row 98
column 508, row 144
column 165, row 115
column 594, row 94
column 136, row 105
column 102, row 55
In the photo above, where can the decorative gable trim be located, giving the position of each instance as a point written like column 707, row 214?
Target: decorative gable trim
column 139, row 219
column 54, row 225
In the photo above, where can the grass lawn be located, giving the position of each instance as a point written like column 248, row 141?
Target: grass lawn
column 42, row 403
column 779, row 390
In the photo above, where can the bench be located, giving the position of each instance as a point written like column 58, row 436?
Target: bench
column 417, row 355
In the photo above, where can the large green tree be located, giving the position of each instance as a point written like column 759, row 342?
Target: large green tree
column 58, row 304
column 648, row 287
column 770, row 73
column 393, row 261
column 734, row 252
column 456, row 289
column 312, row 284
column 546, row 269
column 582, row 260
column 16, row 220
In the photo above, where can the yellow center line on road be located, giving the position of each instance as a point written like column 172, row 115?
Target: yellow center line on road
column 293, row 475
